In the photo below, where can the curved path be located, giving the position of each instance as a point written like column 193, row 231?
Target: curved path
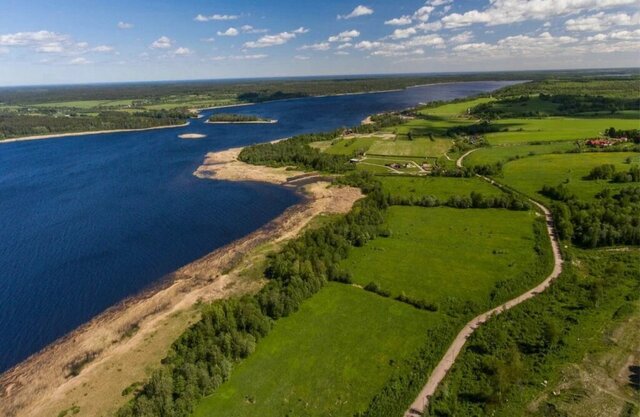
column 440, row 371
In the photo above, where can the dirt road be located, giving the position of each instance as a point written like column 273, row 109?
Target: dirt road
column 440, row 371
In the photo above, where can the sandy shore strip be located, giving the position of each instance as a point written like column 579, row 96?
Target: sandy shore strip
column 122, row 345
column 96, row 132
column 251, row 122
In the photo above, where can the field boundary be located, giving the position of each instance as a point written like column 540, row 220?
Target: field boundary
column 421, row 402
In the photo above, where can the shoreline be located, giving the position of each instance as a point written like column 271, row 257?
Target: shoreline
column 97, row 132
column 201, row 109
column 40, row 385
column 249, row 122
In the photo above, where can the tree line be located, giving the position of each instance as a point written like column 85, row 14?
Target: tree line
column 16, row 125
column 612, row 219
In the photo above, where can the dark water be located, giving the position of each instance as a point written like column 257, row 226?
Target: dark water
column 87, row 221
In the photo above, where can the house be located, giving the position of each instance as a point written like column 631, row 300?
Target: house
column 599, row 143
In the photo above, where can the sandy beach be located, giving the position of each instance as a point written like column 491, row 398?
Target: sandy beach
column 125, row 342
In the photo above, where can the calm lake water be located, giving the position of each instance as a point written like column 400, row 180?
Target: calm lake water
column 87, row 221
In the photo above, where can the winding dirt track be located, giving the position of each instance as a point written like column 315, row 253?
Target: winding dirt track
column 440, row 371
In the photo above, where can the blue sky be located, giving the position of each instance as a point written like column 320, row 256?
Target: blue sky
column 64, row 41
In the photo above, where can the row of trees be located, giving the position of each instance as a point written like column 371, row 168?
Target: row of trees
column 509, row 201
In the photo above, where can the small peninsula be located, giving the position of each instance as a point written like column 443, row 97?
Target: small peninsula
column 230, row 118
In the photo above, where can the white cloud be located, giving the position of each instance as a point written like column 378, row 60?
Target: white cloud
column 601, row 21
column 345, row 45
column 229, row 32
column 463, row 37
column 301, row 57
column 274, row 40
column 344, row 53
column 125, row 25
column 251, row 29
column 409, row 47
column 511, row 11
column 403, row 33
column 239, row 57
column 622, row 35
column 162, row 42
column 209, row 40
column 322, row 46
column 181, row 51
column 437, row 3
column 429, row 27
column 215, row 17
column 357, row 12
column 521, row 45
column 399, row 21
column 80, row 61
column 4, row 50
column 103, row 48
column 345, row 36
column 423, row 13
column 32, row 38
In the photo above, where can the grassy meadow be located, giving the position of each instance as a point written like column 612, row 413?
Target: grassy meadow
column 530, row 174
column 440, row 187
column 327, row 359
column 442, row 253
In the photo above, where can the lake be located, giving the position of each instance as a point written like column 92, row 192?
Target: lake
column 88, row 221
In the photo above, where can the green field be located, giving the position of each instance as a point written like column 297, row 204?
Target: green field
column 328, row 359
column 530, row 174
column 493, row 154
column 555, row 129
column 438, row 253
column 349, row 146
column 440, row 187
column 418, row 147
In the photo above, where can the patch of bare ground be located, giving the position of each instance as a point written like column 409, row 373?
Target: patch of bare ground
column 88, row 370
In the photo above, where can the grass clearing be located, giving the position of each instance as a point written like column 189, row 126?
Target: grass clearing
column 493, row 154
column 418, row 147
column 530, row 174
column 441, row 187
column 555, row 129
column 438, row 253
column 351, row 146
column 328, row 359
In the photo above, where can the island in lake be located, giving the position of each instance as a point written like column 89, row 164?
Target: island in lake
column 228, row 118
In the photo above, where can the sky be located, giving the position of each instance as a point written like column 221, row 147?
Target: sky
column 82, row 41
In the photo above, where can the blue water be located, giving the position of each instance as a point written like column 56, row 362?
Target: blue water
column 87, row 221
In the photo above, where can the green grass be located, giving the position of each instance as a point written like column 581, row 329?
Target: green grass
column 555, row 129
column 455, row 109
column 439, row 253
column 493, row 154
column 417, row 147
column 350, row 146
column 530, row 174
column 328, row 359
column 441, row 187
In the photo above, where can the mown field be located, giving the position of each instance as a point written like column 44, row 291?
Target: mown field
column 440, row 253
column 493, row 154
column 530, row 174
column 328, row 359
column 555, row 129
column 440, row 187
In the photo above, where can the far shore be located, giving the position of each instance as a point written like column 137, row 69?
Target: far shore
column 247, row 122
column 198, row 110
column 128, row 340
column 95, row 132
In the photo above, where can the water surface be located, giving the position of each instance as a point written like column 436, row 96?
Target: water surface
column 87, row 221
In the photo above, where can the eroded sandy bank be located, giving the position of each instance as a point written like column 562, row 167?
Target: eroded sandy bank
column 127, row 341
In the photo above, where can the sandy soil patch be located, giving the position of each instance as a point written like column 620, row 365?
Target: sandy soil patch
column 129, row 340
column 192, row 136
